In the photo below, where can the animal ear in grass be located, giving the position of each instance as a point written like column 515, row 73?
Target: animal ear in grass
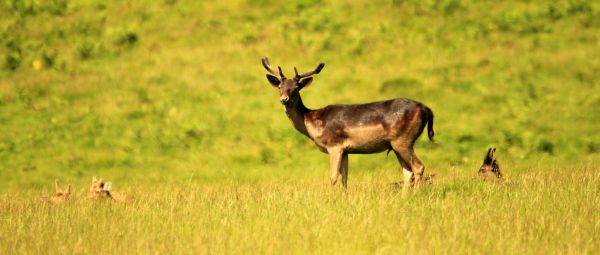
column 57, row 189
column 490, row 170
column 68, row 192
column 107, row 186
column 59, row 194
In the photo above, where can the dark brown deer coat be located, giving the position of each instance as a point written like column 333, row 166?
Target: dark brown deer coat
column 339, row 130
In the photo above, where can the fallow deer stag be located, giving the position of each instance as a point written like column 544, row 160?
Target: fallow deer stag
column 340, row 129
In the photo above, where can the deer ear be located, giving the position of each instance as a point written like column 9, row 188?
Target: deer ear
column 273, row 80
column 305, row 82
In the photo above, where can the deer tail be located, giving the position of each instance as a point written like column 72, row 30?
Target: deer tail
column 429, row 121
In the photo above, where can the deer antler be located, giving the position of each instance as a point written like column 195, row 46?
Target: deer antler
column 304, row 75
column 265, row 63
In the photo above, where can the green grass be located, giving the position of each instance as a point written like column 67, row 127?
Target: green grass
column 168, row 100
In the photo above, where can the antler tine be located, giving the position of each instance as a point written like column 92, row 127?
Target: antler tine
column 266, row 65
column 280, row 72
column 313, row 72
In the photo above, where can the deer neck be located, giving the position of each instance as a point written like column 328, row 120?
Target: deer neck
column 295, row 112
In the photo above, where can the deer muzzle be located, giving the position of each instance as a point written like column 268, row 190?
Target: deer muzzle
column 284, row 99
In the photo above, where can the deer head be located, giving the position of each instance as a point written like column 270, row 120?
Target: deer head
column 289, row 88
column 490, row 168
column 100, row 189
column 60, row 195
column 59, row 192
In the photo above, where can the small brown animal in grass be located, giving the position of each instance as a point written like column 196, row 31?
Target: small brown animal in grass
column 490, row 170
column 59, row 195
column 101, row 190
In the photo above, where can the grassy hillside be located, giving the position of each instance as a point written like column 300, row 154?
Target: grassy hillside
column 174, row 90
column 157, row 94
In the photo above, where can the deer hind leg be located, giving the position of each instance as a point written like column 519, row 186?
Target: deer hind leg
column 335, row 161
column 417, row 167
column 406, row 171
column 409, row 161
column 344, row 170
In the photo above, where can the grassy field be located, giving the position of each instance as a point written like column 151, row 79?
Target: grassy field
column 168, row 100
